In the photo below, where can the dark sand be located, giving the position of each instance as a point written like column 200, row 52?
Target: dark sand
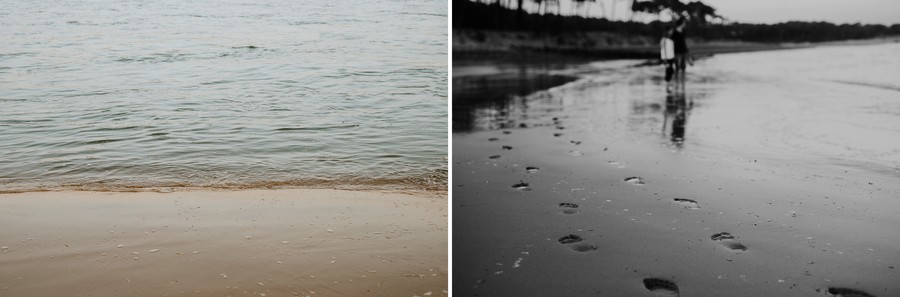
column 223, row 243
column 612, row 188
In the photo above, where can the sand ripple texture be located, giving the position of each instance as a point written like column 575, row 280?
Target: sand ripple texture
column 199, row 93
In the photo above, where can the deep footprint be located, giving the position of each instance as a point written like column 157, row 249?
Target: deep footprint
column 636, row 180
column 845, row 292
column 493, row 139
column 522, row 186
column 506, row 147
column 661, row 287
column 575, row 243
column 728, row 241
column 557, row 134
column 571, row 238
column 531, row 169
column 568, row 208
column 494, row 157
column 687, row 203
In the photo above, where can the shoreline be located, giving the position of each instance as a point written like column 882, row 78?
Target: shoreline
column 202, row 242
column 471, row 46
column 436, row 183
column 387, row 188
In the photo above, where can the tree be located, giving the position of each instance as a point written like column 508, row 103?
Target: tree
column 585, row 4
column 694, row 11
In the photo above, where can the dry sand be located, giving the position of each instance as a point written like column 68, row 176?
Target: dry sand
column 296, row 242
column 544, row 203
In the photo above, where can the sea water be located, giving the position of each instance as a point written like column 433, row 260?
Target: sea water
column 223, row 93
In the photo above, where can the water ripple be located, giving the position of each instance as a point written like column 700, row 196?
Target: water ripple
column 173, row 93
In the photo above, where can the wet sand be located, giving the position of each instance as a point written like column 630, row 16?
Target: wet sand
column 294, row 242
column 612, row 186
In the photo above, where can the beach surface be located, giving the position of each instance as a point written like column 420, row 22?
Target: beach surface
column 286, row 242
column 763, row 174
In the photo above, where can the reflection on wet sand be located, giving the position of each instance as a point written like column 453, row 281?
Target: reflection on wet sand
column 675, row 116
column 485, row 97
column 548, row 185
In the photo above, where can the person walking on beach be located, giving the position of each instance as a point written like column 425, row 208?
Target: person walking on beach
column 667, row 53
column 681, row 49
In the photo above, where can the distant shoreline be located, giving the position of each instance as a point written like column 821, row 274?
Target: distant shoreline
column 471, row 45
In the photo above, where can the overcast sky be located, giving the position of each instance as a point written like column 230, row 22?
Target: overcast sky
column 835, row 11
column 886, row 12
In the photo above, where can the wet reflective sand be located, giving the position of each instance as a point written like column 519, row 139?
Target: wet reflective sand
column 745, row 180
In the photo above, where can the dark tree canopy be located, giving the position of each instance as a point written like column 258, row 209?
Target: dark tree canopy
column 472, row 15
column 694, row 11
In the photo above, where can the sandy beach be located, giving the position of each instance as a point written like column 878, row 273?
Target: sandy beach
column 751, row 180
column 292, row 242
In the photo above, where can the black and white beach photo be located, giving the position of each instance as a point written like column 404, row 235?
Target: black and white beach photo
column 675, row 148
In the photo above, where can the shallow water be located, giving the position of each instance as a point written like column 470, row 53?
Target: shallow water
column 831, row 105
column 204, row 93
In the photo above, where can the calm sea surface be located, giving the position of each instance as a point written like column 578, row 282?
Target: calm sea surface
column 223, row 93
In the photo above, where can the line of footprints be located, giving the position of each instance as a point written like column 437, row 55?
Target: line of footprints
column 657, row 286
column 664, row 287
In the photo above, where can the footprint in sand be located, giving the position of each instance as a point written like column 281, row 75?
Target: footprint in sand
column 568, row 208
column 845, row 292
column 507, row 132
column 493, row 139
column 557, row 134
column 560, row 128
column 576, row 153
column 506, row 147
column 728, row 241
column 575, row 243
column 574, row 142
column 661, row 287
column 532, row 169
column 687, row 203
column 494, row 157
column 522, row 186
column 635, row 180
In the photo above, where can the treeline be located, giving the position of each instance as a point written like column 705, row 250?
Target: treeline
column 473, row 15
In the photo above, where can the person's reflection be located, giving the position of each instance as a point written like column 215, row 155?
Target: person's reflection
column 677, row 109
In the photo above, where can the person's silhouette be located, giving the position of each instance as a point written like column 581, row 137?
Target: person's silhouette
column 680, row 43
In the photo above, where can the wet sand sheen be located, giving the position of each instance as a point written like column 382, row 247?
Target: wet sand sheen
column 678, row 193
column 223, row 243
column 597, row 230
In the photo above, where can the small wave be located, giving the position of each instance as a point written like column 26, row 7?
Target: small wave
column 108, row 129
column 316, row 128
column 435, row 181
column 867, row 84
column 10, row 55
column 106, row 140
column 425, row 14
column 96, row 93
column 301, row 23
